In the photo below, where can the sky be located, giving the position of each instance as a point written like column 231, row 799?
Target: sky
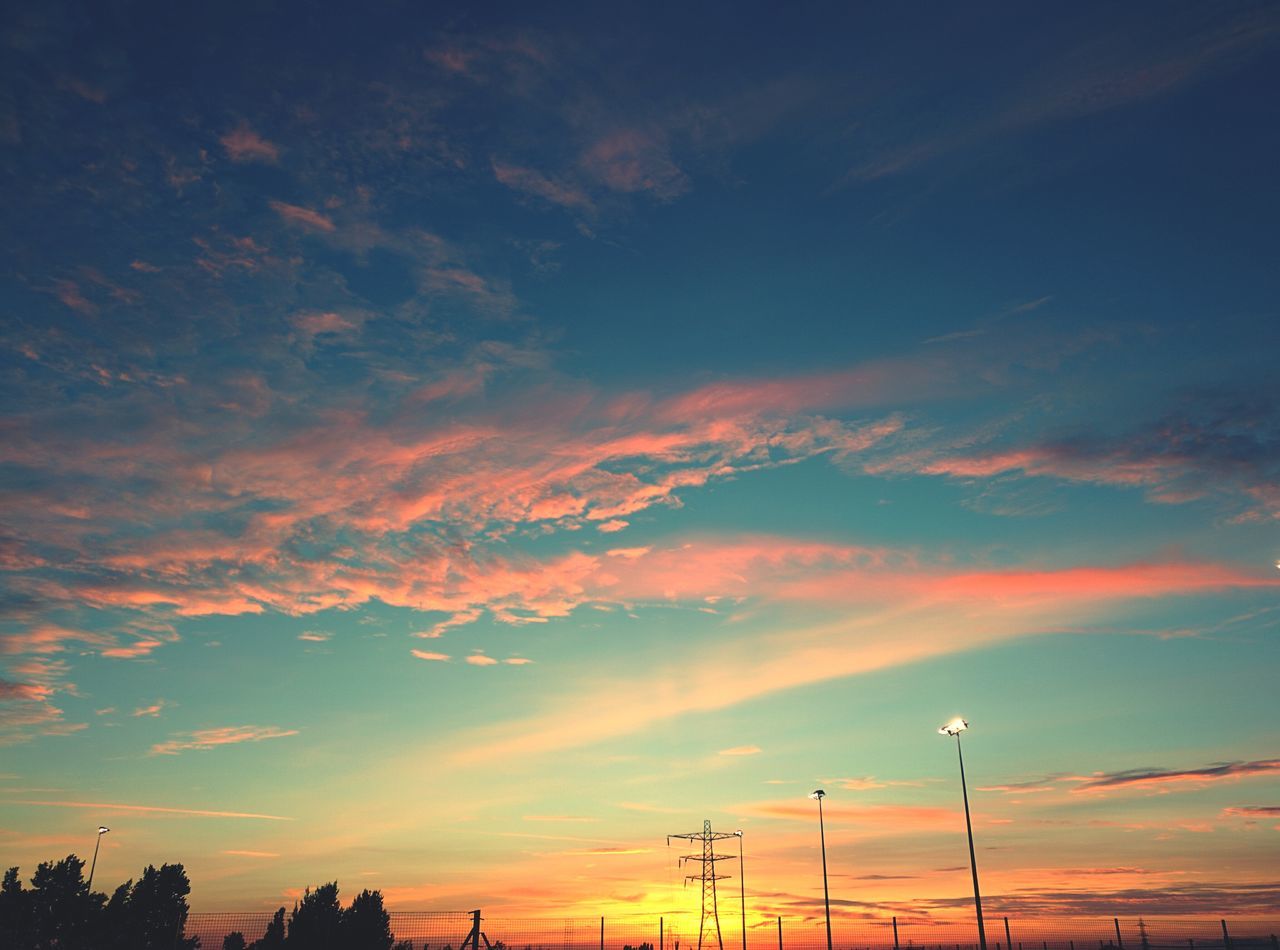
column 448, row 449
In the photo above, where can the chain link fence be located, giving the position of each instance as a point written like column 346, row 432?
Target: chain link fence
column 458, row 931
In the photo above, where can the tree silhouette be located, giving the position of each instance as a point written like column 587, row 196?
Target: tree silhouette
column 365, row 924
column 273, row 938
column 154, row 915
column 63, row 912
column 234, row 941
column 15, row 911
column 316, row 921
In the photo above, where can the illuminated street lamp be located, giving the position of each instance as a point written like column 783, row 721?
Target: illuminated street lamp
column 102, row 830
column 954, row 728
column 819, row 794
column 742, row 888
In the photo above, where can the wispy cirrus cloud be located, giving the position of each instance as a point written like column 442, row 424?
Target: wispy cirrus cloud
column 147, row 809
column 635, row 160
column 306, row 217
column 205, row 739
column 531, row 182
column 1212, row 444
column 1160, row 778
column 251, row 854
column 152, row 711
column 740, row 750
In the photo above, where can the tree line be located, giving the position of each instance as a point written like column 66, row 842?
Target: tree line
column 59, row 912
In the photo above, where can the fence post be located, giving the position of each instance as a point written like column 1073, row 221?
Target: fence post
column 473, row 938
column 661, row 943
column 895, row 933
column 1119, row 939
column 1008, row 939
column 601, row 933
column 779, row 933
column 1226, row 937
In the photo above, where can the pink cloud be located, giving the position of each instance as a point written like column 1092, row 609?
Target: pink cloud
column 428, row 655
column 311, row 325
column 296, row 214
column 243, row 144
column 479, row 659
column 534, row 183
column 635, row 160
column 35, row 691
column 740, row 750
column 68, row 291
column 153, row 710
column 517, row 661
column 50, row 638
column 204, row 739
column 132, row 650
column 609, row 527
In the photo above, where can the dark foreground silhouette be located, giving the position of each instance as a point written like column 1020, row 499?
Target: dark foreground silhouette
column 59, row 912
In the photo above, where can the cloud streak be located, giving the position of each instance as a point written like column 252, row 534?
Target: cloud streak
column 148, row 809
column 1160, row 778
column 205, row 739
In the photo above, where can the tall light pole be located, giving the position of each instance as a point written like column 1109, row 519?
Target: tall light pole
column 742, row 889
column 954, row 728
column 819, row 794
column 102, row 830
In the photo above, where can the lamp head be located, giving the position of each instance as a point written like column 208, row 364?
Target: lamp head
column 953, row 728
column 103, row 829
column 817, row 794
column 738, row 833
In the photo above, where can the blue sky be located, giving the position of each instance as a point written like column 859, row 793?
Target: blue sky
column 449, row 450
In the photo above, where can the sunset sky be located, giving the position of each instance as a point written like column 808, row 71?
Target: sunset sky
column 447, row 451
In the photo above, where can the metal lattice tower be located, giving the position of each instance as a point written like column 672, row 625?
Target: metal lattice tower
column 707, row 876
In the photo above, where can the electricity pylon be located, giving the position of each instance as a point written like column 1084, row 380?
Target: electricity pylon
column 708, row 875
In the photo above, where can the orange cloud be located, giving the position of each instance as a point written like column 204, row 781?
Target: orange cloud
column 427, row 655
column 740, row 750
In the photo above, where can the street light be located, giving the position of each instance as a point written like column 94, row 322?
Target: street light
column 102, row 830
column 954, row 728
column 819, row 794
column 742, row 887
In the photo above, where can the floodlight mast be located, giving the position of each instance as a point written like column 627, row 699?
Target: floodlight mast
column 102, row 830
column 953, row 729
column 818, row 794
column 742, row 888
